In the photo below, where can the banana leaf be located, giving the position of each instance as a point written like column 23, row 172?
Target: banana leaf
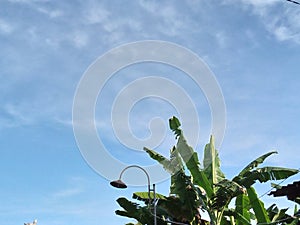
column 211, row 163
column 265, row 174
column 242, row 208
column 239, row 217
column 192, row 162
column 171, row 165
column 227, row 190
column 255, row 163
column 258, row 206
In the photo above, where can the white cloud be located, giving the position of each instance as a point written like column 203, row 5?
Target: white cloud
column 14, row 116
column 172, row 20
column 75, row 186
column 257, row 3
column 150, row 6
column 80, row 39
column 261, row 3
column 222, row 39
column 282, row 33
column 95, row 13
column 35, row 4
column 169, row 19
column 5, row 27
column 50, row 13
column 286, row 26
column 20, row 1
column 280, row 18
column 70, row 192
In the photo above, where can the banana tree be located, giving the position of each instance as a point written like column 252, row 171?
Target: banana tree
column 182, row 206
column 196, row 188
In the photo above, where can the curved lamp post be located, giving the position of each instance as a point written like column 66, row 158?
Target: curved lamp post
column 120, row 184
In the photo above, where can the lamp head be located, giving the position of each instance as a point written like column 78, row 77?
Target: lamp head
column 118, row 184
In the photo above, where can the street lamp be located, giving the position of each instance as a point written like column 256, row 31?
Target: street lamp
column 120, row 184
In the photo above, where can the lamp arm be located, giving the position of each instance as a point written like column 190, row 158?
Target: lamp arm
column 148, row 178
column 139, row 167
column 149, row 189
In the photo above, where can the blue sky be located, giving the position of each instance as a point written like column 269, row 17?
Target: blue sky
column 252, row 47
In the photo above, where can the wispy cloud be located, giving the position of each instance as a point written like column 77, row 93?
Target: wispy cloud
column 280, row 18
column 80, row 39
column 74, row 187
column 286, row 27
column 95, row 13
column 69, row 192
column 11, row 116
column 256, row 3
column 5, row 27
column 50, row 13
column 167, row 19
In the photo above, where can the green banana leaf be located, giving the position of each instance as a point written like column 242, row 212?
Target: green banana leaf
column 255, row 163
column 133, row 210
column 171, row 165
column 192, row 162
column 242, row 208
column 276, row 214
column 258, row 206
column 265, row 174
column 226, row 191
column 241, row 219
column 142, row 214
column 211, row 163
column 143, row 196
column 174, row 126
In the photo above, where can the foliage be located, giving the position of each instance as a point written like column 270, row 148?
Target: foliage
column 196, row 188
